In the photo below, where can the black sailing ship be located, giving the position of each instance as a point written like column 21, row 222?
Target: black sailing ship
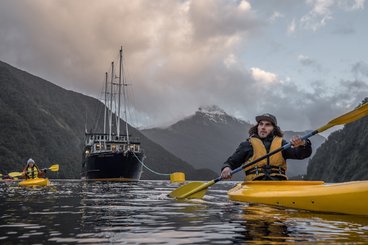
column 111, row 155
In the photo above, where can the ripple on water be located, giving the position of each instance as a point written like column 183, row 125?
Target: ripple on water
column 142, row 213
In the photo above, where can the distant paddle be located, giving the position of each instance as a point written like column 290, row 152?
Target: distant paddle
column 198, row 189
column 53, row 168
column 5, row 177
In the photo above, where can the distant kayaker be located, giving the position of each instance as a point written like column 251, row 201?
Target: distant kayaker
column 265, row 137
column 31, row 171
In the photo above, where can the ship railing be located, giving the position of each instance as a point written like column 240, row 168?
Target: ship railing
column 92, row 138
column 113, row 147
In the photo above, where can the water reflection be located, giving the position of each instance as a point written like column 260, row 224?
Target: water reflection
column 287, row 226
column 32, row 214
column 141, row 213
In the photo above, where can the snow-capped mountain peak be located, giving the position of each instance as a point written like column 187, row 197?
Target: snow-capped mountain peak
column 211, row 109
column 213, row 113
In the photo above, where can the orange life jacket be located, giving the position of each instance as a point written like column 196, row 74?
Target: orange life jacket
column 276, row 162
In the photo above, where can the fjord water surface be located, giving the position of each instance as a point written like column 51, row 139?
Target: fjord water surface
column 71, row 212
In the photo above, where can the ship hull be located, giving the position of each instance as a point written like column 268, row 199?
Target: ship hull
column 113, row 166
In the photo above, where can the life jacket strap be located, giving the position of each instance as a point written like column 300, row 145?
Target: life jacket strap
column 266, row 170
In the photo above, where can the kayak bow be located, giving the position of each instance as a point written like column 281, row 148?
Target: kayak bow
column 35, row 182
column 346, row 198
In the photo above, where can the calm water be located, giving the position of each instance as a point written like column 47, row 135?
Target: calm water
column 141, row 213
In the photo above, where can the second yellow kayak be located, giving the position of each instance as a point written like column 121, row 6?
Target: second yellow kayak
column 346, row 198
column 35, row 182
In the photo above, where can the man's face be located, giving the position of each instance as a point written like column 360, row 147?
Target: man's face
column 264, row 128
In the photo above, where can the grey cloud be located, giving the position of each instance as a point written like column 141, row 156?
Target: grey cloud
column 297, row 109
column 211, row 20
column 175, row 54
column 344, row 30
column 355, row 85
column 306, row 61
column 324, row 11
column 360, row 68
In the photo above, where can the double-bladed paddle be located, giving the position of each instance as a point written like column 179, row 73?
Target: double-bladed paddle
column 198, row 189
column 53, row 168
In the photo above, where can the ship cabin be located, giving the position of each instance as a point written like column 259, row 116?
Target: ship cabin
column 100, row 143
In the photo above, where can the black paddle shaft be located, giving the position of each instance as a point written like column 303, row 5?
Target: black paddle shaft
column 284, row 147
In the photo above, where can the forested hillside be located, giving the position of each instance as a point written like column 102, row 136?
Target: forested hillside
column 344, row 156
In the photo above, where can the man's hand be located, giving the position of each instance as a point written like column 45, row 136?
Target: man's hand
column 226, row 173
column 296, row 141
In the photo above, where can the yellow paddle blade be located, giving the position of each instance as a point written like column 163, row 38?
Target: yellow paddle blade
column 184, row 189
column 351, row 116
column 192, row 190
column 54, row 167
column 15, row 174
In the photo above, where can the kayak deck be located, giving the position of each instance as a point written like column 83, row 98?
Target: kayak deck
column 35, row 182
column 347, row 197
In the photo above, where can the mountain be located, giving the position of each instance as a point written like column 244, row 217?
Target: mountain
column 344, row 156
column 207, row 138
column 45, row 122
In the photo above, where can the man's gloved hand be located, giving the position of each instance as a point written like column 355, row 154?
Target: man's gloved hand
column 296, row 141
column 44, row 170
column 226, row 173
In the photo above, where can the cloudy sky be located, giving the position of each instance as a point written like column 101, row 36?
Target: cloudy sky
column 304, row 61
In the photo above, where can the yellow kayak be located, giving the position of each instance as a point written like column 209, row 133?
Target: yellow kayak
column 35, row 182
column 346, row 198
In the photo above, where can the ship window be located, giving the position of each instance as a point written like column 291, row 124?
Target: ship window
column 108, row 147
column 98, row 147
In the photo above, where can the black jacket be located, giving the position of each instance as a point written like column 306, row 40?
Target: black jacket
column 245, row 151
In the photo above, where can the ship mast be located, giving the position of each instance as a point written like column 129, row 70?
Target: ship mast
column 119, row 94
column 111, row 92
column 105, row 113
column 122, row 78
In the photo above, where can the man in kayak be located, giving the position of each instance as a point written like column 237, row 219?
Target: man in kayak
column 265, row 137
column 31, row 171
